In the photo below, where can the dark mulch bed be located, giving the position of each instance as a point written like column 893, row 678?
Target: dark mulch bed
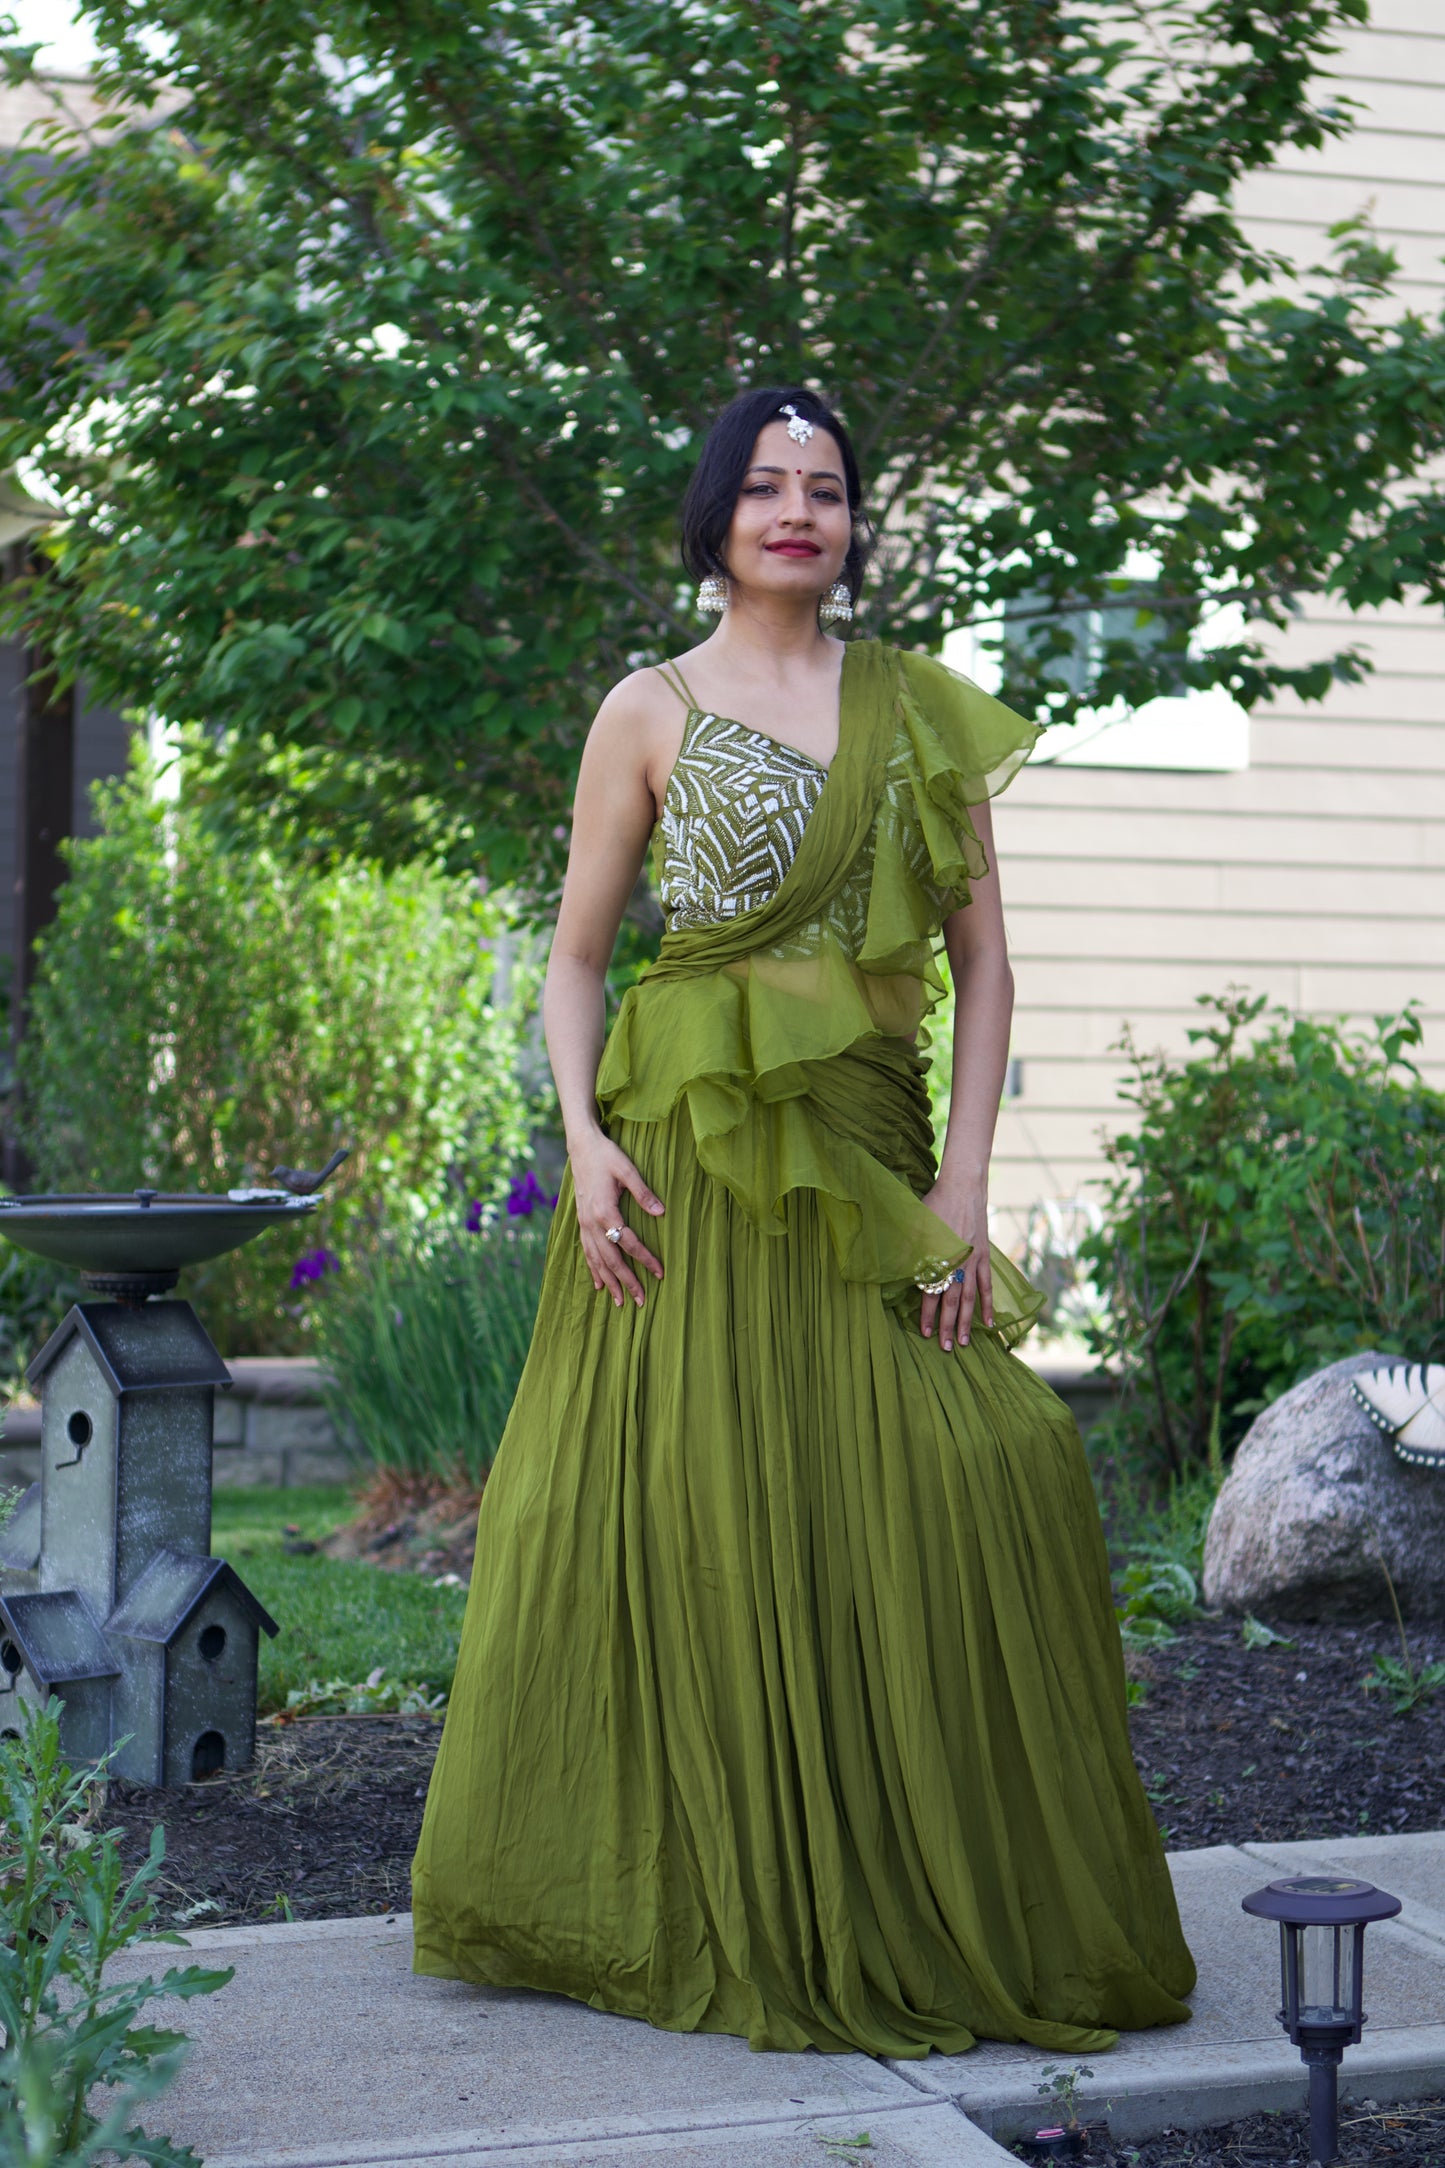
column 1241, row 1746
column 321, row 1826
column 1235, row 1745
column 1409, row 2136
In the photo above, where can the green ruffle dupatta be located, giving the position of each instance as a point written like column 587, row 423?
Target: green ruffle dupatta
column 782, row 1033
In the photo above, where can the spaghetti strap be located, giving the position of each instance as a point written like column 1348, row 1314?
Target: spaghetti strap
column 673, row 677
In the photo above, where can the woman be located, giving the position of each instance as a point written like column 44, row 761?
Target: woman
column 790, row 1700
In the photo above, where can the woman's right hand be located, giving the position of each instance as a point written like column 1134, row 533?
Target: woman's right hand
column 601, row 1173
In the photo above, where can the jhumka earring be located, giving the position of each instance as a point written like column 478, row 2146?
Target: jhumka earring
column 836, row 604
column 712, row 596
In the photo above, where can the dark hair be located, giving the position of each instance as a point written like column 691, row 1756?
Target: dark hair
column 717, row 479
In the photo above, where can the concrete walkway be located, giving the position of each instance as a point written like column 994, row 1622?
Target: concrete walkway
column 325, row 2052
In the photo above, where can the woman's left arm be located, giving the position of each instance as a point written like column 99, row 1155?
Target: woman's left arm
column 983, row 994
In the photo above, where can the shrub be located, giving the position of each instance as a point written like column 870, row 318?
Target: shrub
column 1278, row 1203
column 34, row 1297
column 202, row 1014
column 68, row 1907
column 425, row 1343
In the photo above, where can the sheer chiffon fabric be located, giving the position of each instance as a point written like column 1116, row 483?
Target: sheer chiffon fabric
column 790, row 1700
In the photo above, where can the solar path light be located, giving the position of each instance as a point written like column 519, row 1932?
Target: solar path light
column 1322, row 1921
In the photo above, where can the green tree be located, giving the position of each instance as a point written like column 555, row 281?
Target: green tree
column 371, row 349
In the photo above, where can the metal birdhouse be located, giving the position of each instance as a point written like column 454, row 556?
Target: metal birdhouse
column 109, row 1597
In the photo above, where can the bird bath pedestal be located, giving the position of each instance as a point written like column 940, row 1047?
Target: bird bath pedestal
column 109, row 1597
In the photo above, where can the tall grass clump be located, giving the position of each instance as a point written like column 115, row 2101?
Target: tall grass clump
column 424, row 1338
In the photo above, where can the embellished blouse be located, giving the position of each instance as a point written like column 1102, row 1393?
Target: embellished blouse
column 736, row 805
column 733, row 815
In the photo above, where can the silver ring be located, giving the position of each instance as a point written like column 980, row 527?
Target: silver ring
column 614, row 1234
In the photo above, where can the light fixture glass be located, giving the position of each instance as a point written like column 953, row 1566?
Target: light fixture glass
column 1322, row 1921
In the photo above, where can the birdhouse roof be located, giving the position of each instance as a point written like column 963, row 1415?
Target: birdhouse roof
column 169, row 1592
column 158, row 1345
column 58, row 1637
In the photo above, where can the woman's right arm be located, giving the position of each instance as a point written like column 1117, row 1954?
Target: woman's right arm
column 611, row 822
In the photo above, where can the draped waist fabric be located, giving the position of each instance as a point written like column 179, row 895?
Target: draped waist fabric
column 794, row 1033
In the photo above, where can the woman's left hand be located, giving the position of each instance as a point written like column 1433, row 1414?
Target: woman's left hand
column 953, row 1312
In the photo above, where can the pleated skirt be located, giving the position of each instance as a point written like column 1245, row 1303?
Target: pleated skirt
column 790, row 1700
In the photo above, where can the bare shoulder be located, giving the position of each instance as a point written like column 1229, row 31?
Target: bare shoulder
column 636, row 733
column 642, row 697
column 640, row 710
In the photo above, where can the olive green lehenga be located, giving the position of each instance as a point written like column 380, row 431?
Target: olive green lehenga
column 790, row 1701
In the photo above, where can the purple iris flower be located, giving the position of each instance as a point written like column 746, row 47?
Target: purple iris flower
column 525, row 1195
column 474, row 1216
column 314, row 1265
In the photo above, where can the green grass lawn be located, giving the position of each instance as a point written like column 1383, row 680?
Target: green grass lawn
column 338, row 1620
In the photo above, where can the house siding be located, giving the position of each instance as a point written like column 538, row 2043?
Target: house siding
column 1315, row 876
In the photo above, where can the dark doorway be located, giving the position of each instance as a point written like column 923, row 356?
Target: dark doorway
column 207, row 1756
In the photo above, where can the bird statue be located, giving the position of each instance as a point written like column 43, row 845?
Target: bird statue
column 1407, row 1402
column 302, row 1182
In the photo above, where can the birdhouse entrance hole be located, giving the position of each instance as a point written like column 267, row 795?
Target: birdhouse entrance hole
column 79, row 1429
column 10, row 1658
column 212, row 1642
column 208, row 1754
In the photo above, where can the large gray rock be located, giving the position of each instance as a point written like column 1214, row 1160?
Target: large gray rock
column 1315, row 1497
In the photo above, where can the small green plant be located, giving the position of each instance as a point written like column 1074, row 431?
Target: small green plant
column 847, row 2150
column 1156, row 1597
column 189, row 1914
column 77, row 2064
column 1061, row 2090
column 1159, row 1546
column 1256, row 1635
column 374, row 1695
column 1404, row 1683
column 425, row 1341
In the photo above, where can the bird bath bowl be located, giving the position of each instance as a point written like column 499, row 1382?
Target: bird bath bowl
column 135, row 1245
